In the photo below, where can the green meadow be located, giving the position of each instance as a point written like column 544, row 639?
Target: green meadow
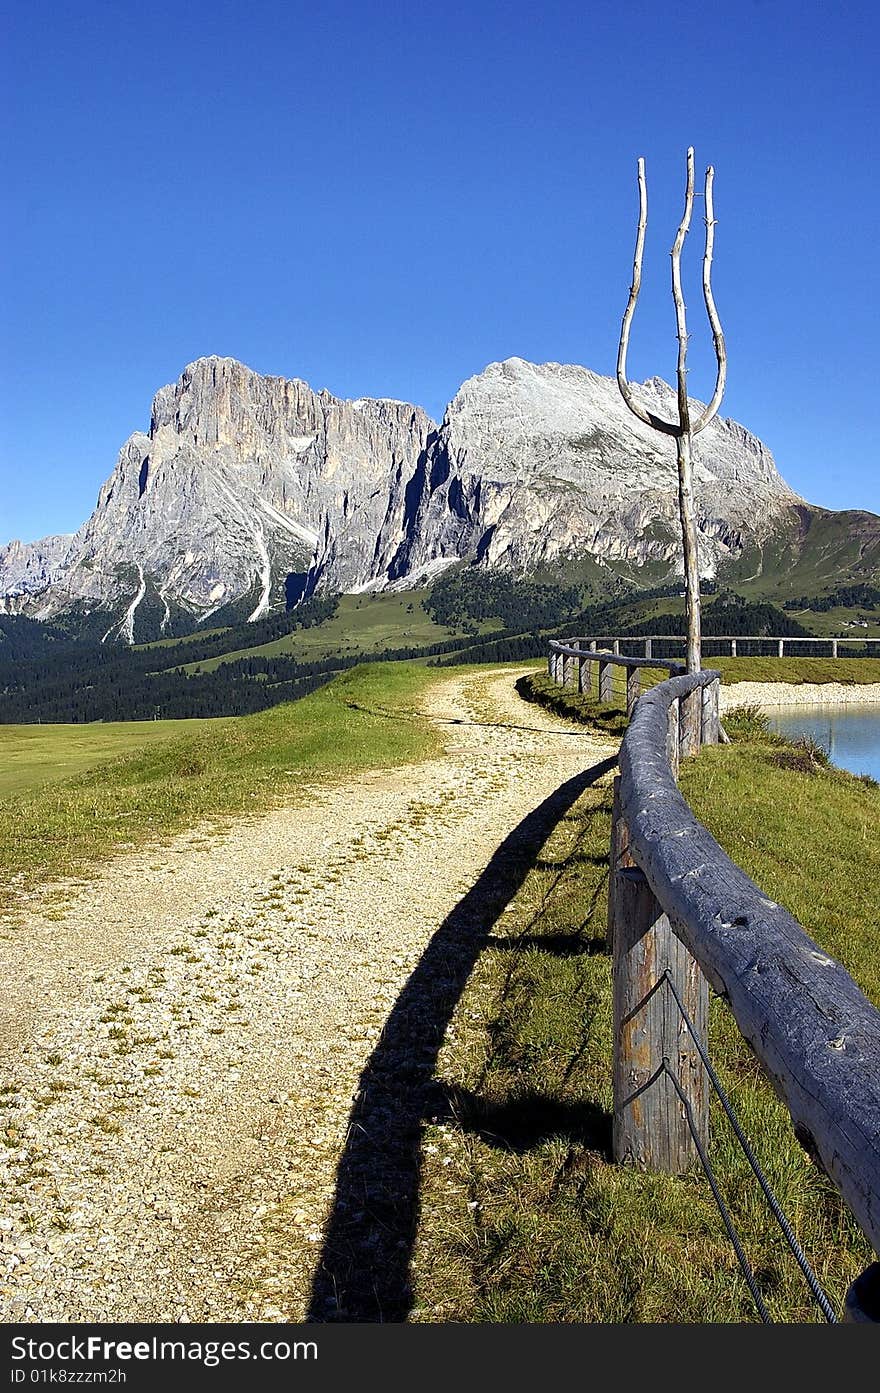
column 363, row 624
column 200, row 769
column 31, row 755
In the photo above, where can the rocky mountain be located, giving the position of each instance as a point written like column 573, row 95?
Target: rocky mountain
column 535, row 464
column 28, row 569
column 244, row 489
column 249, row 491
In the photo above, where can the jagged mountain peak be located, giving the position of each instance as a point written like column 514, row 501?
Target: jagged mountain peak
column 252, row 490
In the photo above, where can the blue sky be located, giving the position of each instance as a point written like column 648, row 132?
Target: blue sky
column 383, row 198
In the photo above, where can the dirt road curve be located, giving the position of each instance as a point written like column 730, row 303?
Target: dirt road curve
column 178, row 1052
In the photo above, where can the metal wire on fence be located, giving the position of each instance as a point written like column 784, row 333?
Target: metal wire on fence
column 816, row 1290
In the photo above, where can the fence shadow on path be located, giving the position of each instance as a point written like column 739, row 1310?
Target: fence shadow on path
column 363, row 1273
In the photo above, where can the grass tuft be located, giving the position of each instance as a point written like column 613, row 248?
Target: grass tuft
column 750, row 722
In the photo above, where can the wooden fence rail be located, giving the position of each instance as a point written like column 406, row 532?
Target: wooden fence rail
column 730, row 642
column 570, row 664
column 681, row 912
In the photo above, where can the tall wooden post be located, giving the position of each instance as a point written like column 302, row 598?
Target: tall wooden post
column 683, row 430
column 651, row 1039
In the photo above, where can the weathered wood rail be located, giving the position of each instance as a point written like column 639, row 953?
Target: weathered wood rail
column 682, row 913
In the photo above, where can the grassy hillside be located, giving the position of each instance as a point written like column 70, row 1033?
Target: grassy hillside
column 468, row 615
column 33, row 755
column 850, row 670
column 812, row 552
column 213, row 769
column 362, row 625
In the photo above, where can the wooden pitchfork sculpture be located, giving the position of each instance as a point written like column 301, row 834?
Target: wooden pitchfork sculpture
column 683, row 430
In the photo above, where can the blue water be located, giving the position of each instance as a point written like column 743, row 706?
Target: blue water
column 850, row 734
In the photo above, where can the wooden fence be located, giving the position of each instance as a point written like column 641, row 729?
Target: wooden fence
column 571, row 665
column 721, row 645
column 682, row 915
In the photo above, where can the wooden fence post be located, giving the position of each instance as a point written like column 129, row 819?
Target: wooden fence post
column 781, row 647
column 672, row 741
column 690, row 722
column 633, row 688
column 606, row 682
column 834, row 648
column 618, row 855
column 733, row 648
column 650, row 1126
column 567, row 661
column 649, row 648
column 710, row 719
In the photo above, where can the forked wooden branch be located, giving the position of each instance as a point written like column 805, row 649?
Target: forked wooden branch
column 711, row 311
column 683, row 430
column 684, row 417
column 626, row 391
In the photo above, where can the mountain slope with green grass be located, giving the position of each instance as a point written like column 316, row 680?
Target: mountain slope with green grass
column 812, row 551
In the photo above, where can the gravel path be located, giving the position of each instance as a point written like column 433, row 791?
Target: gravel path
column 180, row 1040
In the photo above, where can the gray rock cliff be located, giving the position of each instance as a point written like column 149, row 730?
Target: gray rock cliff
column 249, row 490
column 538, row 463
column 28, row 569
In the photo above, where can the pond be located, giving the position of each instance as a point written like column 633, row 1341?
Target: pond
column 850, row 734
